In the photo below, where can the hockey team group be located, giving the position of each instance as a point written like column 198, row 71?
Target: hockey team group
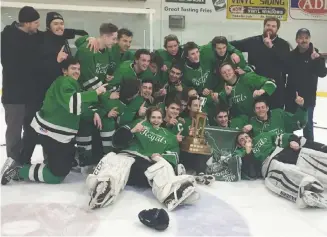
column 119, row 115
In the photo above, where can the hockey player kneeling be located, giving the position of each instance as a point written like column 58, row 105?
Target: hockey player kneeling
column 148, row 156
column 293, row 168
column 56, row 124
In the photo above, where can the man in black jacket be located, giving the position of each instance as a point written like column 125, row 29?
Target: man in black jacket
column 264, row 52
column 19, row 44
column 304, row 66
column 53, row 49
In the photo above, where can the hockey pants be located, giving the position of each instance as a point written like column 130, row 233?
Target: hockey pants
column 89, row 138
column 59, row 162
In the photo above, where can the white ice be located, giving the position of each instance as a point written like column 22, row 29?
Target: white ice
column 245, row 208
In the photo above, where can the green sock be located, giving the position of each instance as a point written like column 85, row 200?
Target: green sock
column 39, row 173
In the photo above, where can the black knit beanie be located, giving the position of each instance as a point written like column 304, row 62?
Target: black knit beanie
column 52, row 16
column 28, row 14
column 128, row 89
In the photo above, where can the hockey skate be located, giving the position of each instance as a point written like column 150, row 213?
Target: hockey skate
column 310, row 195
column 204, row 179
column 10, row 171
column 101, row 195
column 179, row 195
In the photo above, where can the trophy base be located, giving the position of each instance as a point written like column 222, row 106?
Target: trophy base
column 196, row 146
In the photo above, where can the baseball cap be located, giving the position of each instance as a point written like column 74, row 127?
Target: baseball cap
column 303, row 31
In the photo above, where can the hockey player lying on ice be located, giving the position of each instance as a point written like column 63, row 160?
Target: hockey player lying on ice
column 149, row 153
column 292, row 167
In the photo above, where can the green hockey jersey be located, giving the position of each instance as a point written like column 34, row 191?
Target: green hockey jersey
column 265, row 143
column 94, row 66
column 161, row 77
column 236, row 123
column 208, row 54
column 183, row 126
column 132, row 109
column 169, row 59
column 62, row 107
column 199, row 78
column 127, row 112
column 241, row 98
column 155, row 140
column 280, row 121
column 117, row 57
column 105, row 106
column 126, row 71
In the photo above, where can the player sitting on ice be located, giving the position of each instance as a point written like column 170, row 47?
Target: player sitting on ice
column 298, row 172
column 148, row 155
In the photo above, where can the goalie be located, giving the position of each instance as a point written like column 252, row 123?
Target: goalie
column 148, row 157
column 292, row 167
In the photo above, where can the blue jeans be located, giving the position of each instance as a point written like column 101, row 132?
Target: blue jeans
column 308, row 130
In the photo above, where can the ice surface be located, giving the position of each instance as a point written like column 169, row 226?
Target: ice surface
column 245, row 208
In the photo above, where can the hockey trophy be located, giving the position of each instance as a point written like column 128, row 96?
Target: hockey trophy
column 196, row 142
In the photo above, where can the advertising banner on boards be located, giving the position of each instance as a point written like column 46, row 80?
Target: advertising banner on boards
column 308, row 10
column 195, row 6
column 257, row 9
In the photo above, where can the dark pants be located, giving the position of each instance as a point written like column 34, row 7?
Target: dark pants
column 60, row 156
column 277, row 99
column 291, row 107
column 137, row 177
column 289, row 156
column 14, row 117
column 30, row 137
column 196, row 162
column 315, row 146
column 308, row 130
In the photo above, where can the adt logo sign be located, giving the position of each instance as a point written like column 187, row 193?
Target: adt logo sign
column 309, row 9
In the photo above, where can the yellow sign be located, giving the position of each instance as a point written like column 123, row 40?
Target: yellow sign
column 257, row 9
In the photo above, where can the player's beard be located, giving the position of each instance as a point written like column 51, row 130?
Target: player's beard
column 272, row 34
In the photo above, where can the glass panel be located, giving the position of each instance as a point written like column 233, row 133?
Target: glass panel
column 91, row 21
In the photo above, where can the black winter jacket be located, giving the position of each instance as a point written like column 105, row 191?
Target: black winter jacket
column 303, row 73
column 19, row 59
column 49, row 68
column 267, row 63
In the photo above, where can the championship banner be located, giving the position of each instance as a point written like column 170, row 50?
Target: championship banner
column 309, row 10
column 224, row 165
column 257, row 9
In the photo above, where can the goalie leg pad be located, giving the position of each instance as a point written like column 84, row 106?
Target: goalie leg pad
column 314, row 163
column 163, row 180
column 109, row 177
column 286, row 180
